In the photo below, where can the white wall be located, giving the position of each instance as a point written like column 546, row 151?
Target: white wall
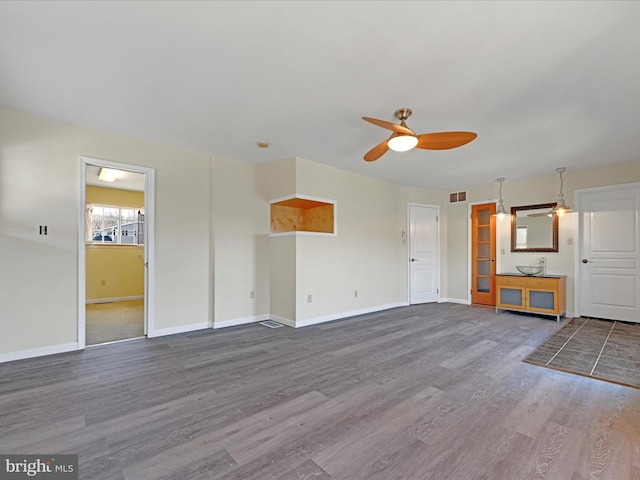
column 241, row 243
column 282, row 278
column 211, row 236
column 368, row 254
column 40, row 185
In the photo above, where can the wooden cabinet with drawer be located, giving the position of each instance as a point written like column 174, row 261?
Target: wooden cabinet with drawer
column 545, row 295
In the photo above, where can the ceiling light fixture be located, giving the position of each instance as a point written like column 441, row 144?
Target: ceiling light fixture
column 402, row 143
column 108, row 175
column 561, row 207
column 500, row 212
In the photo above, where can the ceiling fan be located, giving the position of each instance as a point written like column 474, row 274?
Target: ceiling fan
column 403, row 138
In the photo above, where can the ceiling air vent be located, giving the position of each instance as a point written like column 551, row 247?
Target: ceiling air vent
column 457, row 197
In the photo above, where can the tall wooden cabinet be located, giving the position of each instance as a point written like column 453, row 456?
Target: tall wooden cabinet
column 545, row 295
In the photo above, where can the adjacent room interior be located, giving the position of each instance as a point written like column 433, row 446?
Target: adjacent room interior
column 114, row 253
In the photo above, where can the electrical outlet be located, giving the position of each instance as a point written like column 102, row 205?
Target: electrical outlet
column 252, row 294
column 309, row 298
column 355, row 293
column 570, row 241
column 502, row 251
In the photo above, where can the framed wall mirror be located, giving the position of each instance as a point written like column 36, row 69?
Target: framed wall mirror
column 533, row 229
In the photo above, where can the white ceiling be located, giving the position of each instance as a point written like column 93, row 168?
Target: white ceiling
column 544, row 84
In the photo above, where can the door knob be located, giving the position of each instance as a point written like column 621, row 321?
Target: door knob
column 414, row 259
column 584, row 260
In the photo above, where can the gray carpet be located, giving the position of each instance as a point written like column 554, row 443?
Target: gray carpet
column 109, row 322
column 602, row 349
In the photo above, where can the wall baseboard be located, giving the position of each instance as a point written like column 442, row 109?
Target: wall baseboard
column 461, row 301
column 239, row 321
column 285, row 321
column 114, row 299
column 38, row 352
column 161, row 332
column 328, row 318
column 70, row 347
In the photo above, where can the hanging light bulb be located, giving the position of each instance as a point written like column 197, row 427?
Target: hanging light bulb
column 500, row 211
column 561, row 207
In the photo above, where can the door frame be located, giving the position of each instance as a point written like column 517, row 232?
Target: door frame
column 470, row 246
column 149, row 246
column 408, row 249
column 577, row 197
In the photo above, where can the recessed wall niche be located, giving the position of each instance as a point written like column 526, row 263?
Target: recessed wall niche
column 302, row 215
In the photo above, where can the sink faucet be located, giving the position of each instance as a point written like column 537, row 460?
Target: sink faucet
column 543, row 263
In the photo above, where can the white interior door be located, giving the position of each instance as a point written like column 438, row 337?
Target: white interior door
column 608, row 263
column 423, row 254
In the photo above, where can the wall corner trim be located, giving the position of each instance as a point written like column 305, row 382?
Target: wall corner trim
column 285, row 321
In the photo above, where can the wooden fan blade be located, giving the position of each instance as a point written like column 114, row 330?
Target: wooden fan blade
column 444, row 140
column 376, row 152
column 389, row 126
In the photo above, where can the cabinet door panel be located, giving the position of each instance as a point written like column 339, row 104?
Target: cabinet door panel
column 513, row 297
column 542, row 300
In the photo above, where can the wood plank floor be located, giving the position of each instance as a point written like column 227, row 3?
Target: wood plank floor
column 436, row 391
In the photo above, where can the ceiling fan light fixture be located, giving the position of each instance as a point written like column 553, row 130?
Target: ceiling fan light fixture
column 402, row 143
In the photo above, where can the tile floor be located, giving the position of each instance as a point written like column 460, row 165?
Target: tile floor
column 603, row 349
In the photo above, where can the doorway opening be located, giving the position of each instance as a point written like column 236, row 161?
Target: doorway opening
column 115, row 252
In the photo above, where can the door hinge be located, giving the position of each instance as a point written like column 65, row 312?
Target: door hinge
column 438, row 291
column 437, row 218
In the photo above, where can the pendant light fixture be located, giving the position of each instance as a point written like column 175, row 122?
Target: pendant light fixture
column 500, row 211
column 561, row 207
